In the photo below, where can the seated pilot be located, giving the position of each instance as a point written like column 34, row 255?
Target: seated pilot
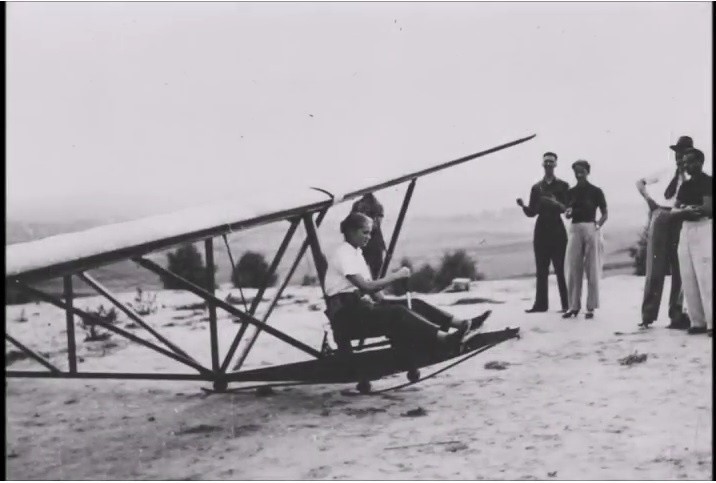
column 357, row 309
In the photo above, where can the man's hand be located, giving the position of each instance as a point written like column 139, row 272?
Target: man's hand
column 689, row 213
column 568, row 212
column 520, row 203
column 402, row 272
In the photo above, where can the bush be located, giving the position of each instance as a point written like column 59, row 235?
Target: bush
column 457, row 264
column 17, row 297
column 252, row 271
column 144, row 304
column 90, row 327
column 309, row 280
column 421, row 281
column 638, row 253
column 186, row 262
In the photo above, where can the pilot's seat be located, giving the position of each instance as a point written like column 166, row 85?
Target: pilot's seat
column 345, row 340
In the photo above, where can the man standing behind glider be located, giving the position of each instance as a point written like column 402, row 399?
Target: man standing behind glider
column 547, row 200
column 374, row 251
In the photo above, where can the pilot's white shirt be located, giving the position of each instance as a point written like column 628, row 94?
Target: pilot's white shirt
column 346, row 260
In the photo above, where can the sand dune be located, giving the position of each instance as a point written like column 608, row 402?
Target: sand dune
column 556, row 405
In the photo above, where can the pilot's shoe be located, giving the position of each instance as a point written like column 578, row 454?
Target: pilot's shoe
column 476, row 322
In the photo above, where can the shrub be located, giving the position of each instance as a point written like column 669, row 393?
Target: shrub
column 252, row 271
column 638, row 252
column 186, row 262
column 22, row 317
column 90, row 327
column 309, row 280
column 17, row 297
column 144, row 304
column 457, row 264
column 423, row 281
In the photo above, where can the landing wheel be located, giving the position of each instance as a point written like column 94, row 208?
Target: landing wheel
column 363, row 386
column 413, row 375
column 220, row 386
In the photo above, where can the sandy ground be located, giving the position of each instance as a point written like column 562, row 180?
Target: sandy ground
column 563, row 408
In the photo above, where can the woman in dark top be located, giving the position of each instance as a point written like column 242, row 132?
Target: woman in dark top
column 583, row 246
column 694, row 205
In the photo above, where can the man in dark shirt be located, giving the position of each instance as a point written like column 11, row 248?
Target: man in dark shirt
column 374, row 251
column 547, row 199
column 694, row 205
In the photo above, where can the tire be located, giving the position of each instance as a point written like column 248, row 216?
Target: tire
column 363, row 387
column 413, row 375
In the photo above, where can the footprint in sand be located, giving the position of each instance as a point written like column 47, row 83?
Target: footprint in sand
column 318, row 473
column 201, row 428
column 363, row 411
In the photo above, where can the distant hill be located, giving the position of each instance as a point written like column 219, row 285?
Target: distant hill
column 500, row 240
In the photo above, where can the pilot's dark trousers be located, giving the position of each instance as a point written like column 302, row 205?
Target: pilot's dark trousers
column 550, row 244
column 353, row 317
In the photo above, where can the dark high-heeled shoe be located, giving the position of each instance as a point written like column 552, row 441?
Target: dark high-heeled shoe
column 570, row 313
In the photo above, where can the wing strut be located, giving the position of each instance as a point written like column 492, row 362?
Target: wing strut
column 398, row 226
column 259, row 295
column 291, row 271
column 195, row 289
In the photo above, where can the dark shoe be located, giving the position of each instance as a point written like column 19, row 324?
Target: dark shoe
column 589, row 315
column 535, row 310
column 710, row 332
column 476, row 322
column 697, row 330
column 645, row 324
column 570, row 313
column 678, row 326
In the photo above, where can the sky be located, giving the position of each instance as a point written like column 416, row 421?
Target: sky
column 147, row 107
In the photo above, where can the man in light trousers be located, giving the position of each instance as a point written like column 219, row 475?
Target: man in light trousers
column 694, row 205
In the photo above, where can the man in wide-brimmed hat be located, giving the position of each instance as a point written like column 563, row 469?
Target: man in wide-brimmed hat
column 662, row 241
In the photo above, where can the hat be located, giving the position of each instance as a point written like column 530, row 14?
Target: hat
column 549, row 155
column 683, row 143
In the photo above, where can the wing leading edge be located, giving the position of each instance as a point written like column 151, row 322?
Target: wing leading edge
column 72, row 252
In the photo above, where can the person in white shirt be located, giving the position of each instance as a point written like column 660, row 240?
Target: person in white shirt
column 357, row 309
column 662, row 242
